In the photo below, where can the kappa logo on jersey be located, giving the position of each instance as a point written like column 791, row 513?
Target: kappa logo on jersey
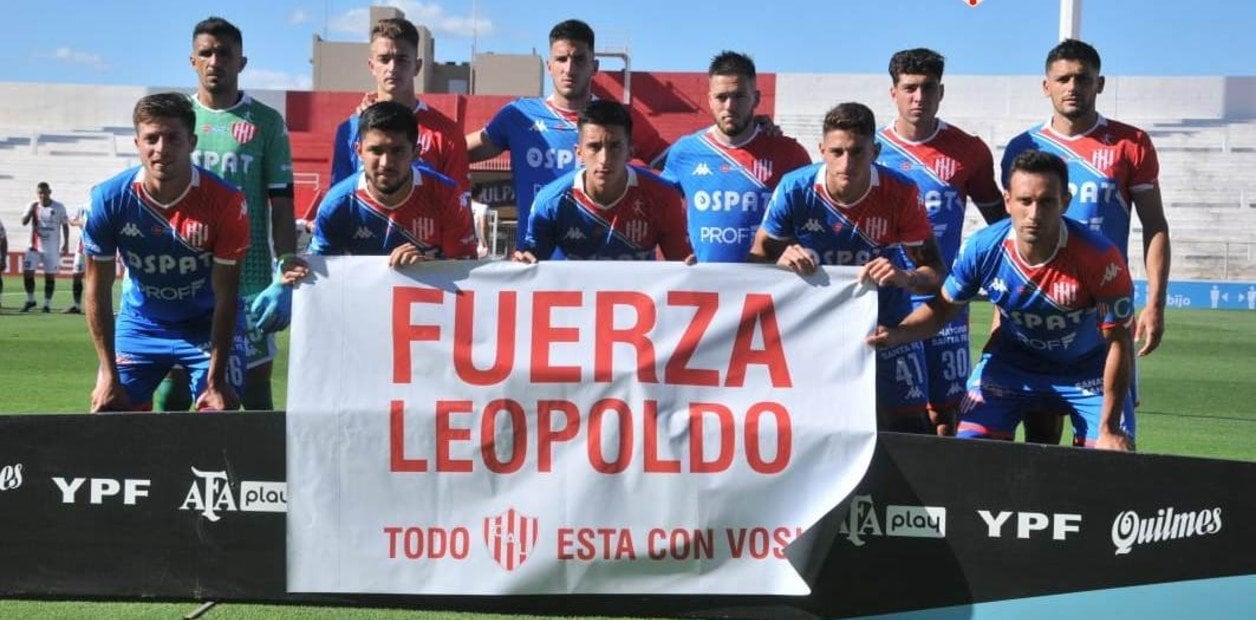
column 636, row 230
column 1103, row 158
column 1110, row 273
column 702, row 170
column 876, row 228
column 243, row 131
column 761, row 169
column 363, row 233
column 510, row 538
column 998, row 285
column 955, row 388
column 131, row 230
column 945, row 167
column 195, row 234
column 813, row 225
column 1064, row 293
column 539, row 125
column 575, row 233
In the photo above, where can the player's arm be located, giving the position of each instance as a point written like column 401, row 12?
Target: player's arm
column 108, row 394
column 480, row 147
column 1156, row 257
column 923, row 280
column 4, row 251
column 65, row 234
column 675, row 242
column 342, row 161
column 218, row 394
column 540, row 242
column 30, row 214
column 1116, row 387
column 925, row 321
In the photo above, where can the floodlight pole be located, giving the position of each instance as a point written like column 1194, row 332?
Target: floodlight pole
column 1070, row 19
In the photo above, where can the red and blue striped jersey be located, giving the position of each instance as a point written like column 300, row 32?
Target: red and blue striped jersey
column 1107, row 165
column 435, row 217
column 169, row 249
column 728, row 187
column 1051, row 314
column 649, row 217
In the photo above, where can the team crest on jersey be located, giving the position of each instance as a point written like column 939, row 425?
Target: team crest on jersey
column 875, row 228
column 905, row 166
column 761, row 169
column 510, row 538
column 636, row 230
column 945, row 167
column 194, row 233
column 423, row 227
column 1064, row 293
column 1103, row 158
column 243, row 131
column 425, row 143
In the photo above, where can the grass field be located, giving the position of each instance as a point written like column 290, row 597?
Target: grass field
column 1198, row 393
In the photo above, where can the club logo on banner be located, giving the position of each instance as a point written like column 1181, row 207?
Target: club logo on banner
column 571, row 427
column 509, row 537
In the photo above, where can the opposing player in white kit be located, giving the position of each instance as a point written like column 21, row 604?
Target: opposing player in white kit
column 45, row 217
column 80, row 264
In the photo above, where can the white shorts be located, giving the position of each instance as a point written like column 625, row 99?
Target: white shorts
column 48, row 260
column 80, row 263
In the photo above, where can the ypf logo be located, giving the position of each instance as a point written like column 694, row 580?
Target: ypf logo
column 510, row 538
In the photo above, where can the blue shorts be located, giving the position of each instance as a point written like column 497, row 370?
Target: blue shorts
column 147, row 352
column 999, row 395
column 946, row 363
column 901, row 379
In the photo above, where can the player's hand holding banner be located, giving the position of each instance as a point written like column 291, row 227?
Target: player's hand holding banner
column 470, row 428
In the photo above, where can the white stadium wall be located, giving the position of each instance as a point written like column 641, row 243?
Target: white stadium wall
column 74, row 136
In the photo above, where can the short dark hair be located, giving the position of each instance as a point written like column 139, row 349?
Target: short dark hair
column 1072, row 49
column 44, row 186
column 918, row 61
column 732, row 63
column 165, row 105
column 397, row 29
column 572, row 30
column 1040, row 162
column 391, row 117
column 853, row 117
column 218, row 28
column 605, row 113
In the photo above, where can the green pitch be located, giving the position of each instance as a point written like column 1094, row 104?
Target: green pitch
column 1197, row 390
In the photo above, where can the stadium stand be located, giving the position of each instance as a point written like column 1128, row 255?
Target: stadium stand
column 1204, row 129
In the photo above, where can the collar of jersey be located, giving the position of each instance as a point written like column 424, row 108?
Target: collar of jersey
column 245, row 99
column 890, row 131
column 578, row 184
column 139, row 179
column 823, row 189
column 712, row 130
column 1100, row 121
column 415, row 180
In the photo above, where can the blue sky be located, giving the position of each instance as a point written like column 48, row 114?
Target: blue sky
column 146, row 42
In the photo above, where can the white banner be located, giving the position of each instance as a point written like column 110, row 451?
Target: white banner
column 583, row 427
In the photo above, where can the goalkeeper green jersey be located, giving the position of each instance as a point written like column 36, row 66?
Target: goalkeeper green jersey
column 247, row 144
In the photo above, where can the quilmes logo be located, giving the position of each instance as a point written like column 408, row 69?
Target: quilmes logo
column 1130, row 528
column 904, row 521
column 10, row 477
column 511, row 537
column 211, row 493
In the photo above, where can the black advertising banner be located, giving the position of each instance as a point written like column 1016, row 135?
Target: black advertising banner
column 193, row 506
column 143, row 505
